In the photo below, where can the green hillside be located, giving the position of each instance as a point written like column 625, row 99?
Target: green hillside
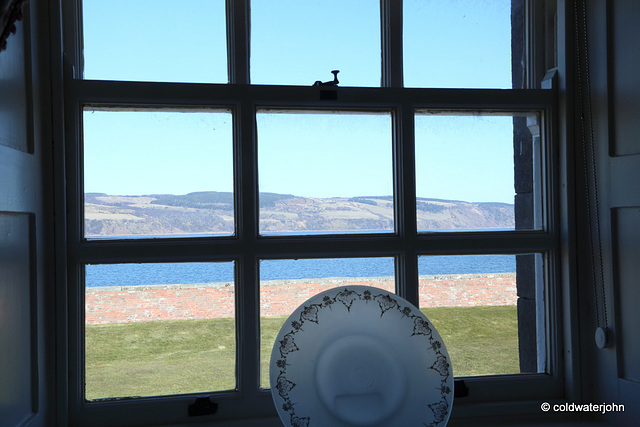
column 212, row 212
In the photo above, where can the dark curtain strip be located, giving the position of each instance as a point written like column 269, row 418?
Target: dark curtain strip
column 10, row 12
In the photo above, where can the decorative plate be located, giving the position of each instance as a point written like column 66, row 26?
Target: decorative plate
column 360, row 356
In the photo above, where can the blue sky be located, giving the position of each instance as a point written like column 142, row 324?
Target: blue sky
column 461, row 43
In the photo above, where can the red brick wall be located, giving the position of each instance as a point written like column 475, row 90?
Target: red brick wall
column 279, row 297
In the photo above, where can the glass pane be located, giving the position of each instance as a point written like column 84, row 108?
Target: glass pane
column 156, row 329
column 462, row 43
column 155, row 40
column 325, row 172
column 465, row 168
column 285, row 284
column 299, row 42
column 482, row 308
column 158, row 173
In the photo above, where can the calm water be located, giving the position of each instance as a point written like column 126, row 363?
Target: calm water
column 176, row 273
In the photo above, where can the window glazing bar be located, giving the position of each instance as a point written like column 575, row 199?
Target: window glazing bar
column 176, row 94
column 391, row 21
column 238, row 40
column 306, row 246
column 247, row 289
column 405, row 175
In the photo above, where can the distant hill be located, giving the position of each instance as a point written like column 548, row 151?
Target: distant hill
column 212, row 212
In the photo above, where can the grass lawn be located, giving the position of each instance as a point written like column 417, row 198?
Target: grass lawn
column 185, row 356
column 161, row 357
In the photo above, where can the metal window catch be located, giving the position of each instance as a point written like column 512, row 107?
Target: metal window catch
column 333, row 82
column 203, row 406
column 460, row 389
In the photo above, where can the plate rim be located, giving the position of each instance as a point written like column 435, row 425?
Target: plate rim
column 347, row 295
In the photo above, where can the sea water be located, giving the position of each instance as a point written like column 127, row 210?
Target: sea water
column 213, row 272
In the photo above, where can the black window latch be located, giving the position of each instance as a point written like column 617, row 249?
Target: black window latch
column 203, row 406
column 333, row 82
column 460, row 389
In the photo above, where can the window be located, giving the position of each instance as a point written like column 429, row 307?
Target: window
column 135, row 163
column 140, row 52
column 139, row 340
column 350, row 153
column 326, row 37
column 204, row 205
column 432, row 31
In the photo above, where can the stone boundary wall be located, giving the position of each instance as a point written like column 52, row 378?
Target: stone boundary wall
column 120, row 304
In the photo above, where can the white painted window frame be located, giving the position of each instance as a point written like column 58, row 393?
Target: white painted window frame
column 249, row 405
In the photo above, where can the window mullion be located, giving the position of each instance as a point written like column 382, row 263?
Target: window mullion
column 391, row 21
column 407, row 264
column 238, row 41
column 246, row 183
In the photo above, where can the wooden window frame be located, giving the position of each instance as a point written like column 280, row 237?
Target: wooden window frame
column 516, row 394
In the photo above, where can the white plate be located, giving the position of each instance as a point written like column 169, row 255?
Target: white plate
column 360, row 356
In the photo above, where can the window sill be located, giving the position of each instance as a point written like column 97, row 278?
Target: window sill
column 558, row 421
column 277, row 423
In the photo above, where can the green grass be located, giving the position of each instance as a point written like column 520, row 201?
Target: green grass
column 480, row 340
column 162, row 357
column 184, row 356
